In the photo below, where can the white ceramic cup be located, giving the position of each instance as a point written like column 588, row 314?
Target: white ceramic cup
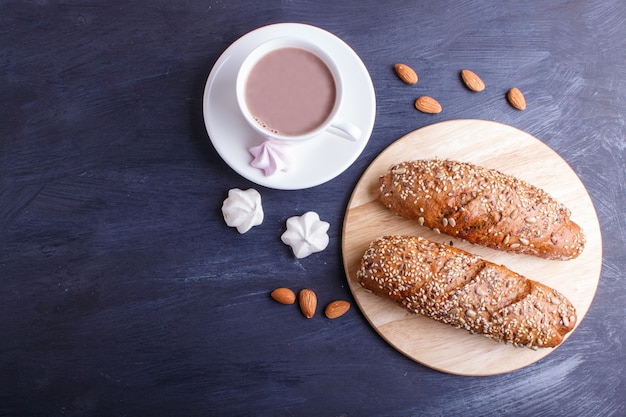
column 333, row 123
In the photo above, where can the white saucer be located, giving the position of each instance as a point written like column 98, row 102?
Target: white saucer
column 316, row 161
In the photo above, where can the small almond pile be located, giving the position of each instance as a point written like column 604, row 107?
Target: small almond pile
column 472, row 81
column 307, row 301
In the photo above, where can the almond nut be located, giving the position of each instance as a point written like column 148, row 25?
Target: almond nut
column 516, row 98
column 406, row 73
column 284, row 295
column 427, row 104
column 337, row 309
column 472, row 81
column 308, row 302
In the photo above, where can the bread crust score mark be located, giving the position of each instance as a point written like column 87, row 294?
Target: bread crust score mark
column 482, row 206
column 458, row 288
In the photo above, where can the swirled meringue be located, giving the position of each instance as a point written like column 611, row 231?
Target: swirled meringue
column 271, row 156
column 306, row 234
column 242, row 209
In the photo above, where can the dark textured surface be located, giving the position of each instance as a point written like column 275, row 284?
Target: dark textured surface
column 122, row 291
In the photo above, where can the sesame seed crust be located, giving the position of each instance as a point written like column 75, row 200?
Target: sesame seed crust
column 458, row 288
column 483, row 206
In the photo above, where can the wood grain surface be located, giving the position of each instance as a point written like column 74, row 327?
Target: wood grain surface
column 492, row 145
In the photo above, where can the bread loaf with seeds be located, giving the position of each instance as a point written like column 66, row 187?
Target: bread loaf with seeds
column 458, row 288
column 482, row 206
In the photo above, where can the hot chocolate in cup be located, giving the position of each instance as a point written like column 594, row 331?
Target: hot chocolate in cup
column 291, row 89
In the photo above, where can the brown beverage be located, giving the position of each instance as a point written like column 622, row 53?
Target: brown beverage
column 290, row 91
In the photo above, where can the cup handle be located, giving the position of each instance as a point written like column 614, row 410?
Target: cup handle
column 349, row 130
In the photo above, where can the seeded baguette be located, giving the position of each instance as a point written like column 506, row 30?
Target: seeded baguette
column 458, row 288
column 482, row 206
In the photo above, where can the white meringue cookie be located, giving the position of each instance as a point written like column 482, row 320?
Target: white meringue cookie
column 306, row 234
column 272, row 156
column 242, row 209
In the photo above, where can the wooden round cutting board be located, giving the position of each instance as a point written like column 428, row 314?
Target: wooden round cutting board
column 492, row 145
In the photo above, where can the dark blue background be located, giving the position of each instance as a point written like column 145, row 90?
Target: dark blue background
column 122, row 291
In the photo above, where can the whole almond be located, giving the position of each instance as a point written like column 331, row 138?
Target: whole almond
column 284, row 295
column 406, row 73
column 516, row 98
column 308, row 302
column 427, row 104
column 336, row 309
column 472, row 81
